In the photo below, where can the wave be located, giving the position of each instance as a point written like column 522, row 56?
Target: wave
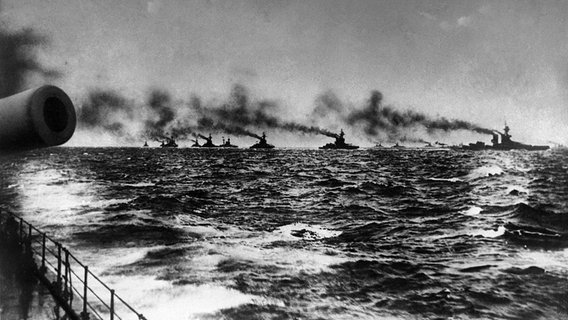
column 532, row 215
column 332, row 182
column 529, row 226
column 306, row 232
column 445, row 179
column 473, row 211
column 491, row 233
column 485, row 171
column 138, row 184
column 171, row 302
column 369, row 232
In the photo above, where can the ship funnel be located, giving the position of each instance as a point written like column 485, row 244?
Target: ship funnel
column 36, row 118
column 495, row 139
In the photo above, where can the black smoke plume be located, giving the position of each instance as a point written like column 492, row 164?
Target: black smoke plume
column 18, row 60
column 160, row 102
column 208, row 124
column 102, row 109
column 376, row 118
column 326, row 103
column 181, row 132
column 241, row 115
column 240, row 112
column 111, row 111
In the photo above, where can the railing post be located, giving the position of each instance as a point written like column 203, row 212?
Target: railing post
column 111, row 304
column 66, row 266
column 43, row 253
column 58, row 267
column 85, row 287
column 29, row 241
column 21, row 230
column 66, row 290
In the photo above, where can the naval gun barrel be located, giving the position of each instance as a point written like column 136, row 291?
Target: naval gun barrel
column 36, row 118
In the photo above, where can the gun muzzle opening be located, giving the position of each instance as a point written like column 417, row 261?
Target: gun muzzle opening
column 55, row 114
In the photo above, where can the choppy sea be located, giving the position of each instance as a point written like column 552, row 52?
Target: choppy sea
column 308, row 234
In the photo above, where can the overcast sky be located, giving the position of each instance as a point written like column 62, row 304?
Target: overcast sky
column 483, row 61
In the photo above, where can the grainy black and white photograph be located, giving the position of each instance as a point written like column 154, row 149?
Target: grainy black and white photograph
column 283, row 159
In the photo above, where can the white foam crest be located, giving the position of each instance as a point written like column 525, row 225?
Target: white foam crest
column 305, row 231
column 518, row 188
column 139, row 184
column 485, row 171
column 298, row 260
column 446, row 179
column 490, row 233
column 257, row 247
column 160, row 299
column 473, row 211
column 548, row 260
column 113, row 257
column 197, row 225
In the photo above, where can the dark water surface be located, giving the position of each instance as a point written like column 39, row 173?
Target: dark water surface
column 308, row 234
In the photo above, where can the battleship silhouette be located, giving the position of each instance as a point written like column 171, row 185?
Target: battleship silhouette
column 262, row 144
column 339, row 143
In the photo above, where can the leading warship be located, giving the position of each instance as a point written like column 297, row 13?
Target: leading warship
column 209, row 143
column 505, row 144
column 262, row 144
column 195, row 143
column 339, row 143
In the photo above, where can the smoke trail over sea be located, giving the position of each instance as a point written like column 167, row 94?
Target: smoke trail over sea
column 376, row 118
column 242, row 115
column 241, row 112
column 161, row 117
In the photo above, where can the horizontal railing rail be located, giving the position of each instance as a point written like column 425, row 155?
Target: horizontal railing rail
column 71, row 281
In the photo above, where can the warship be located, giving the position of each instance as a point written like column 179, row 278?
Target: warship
column 209, row 143
column 339, row 143
column 505, row 144
column 378, row 145
column 195, row 143
column 508, row 144
column 227, row 144
column 169, row 143
column 398, row 146
column 145, row 144
column 262, row 143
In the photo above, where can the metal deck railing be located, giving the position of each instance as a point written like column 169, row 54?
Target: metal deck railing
column 71, row 282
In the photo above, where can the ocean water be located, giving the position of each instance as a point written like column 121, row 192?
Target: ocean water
column 308, row 234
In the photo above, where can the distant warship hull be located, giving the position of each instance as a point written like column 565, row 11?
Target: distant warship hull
column 331, row 146
column 169, row 145
column 209, row 145
column 501, row 147
column 506, row 143
column 262, row 146
column 526, row 147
